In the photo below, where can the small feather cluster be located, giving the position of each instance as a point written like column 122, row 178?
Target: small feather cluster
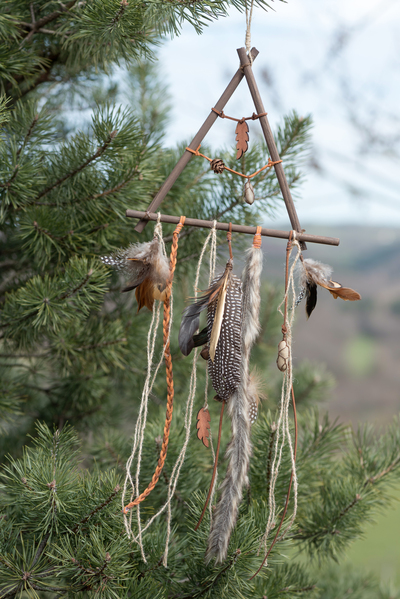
column 312, row 271
column 139, row 258
column 147, row 268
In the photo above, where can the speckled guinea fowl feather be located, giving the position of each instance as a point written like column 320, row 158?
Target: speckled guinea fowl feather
column 224, row 370
column 225, row 374
column 242, row 405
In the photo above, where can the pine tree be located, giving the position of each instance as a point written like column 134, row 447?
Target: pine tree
column 76, row 150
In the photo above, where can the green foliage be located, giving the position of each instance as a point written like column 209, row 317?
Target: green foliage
column 81, row 140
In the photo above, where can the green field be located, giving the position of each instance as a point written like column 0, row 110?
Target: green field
column 379, row 550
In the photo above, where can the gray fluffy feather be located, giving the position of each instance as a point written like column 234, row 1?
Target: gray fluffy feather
column 139, row 261
column 239, row 448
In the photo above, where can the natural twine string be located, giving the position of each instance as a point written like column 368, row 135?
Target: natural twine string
column 190, row 401
column 283, row 424
column 213, row 264
column 159, row 235
column 170, row 384
column 188, row 417
column 142, row 417
column 247, row 41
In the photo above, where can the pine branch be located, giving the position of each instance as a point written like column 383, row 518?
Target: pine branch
column 24, row 355
column 48, row 589
column 356, row 499
column 16, row 364
column 8, row 183
column 384, row 472
column 74, row 291
column 97, row 509
column 96, row 155
column 12, row 592
column 104, row 344
column 290, row 590
column 34, row 26
column 114, row 455
column 8, row 263
column 42, row 78
column 29, row 133
column 91, row 197
column 48, row 234
column 40, row 549
column 98, row 228
column 120, row 12
column 195, row 594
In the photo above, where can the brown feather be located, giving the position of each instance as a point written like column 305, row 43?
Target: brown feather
column 145, row 295
column 337, row 290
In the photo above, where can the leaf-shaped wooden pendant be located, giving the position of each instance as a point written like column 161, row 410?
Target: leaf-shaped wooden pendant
column 203, row 425
column 242, row 138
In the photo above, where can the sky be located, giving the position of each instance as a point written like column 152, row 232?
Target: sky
column 337, row 60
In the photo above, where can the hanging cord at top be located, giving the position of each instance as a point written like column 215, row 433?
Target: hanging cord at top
column 247, row 41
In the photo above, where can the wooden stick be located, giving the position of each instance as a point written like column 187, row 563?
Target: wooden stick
column 196, row 141
column 269, row 138
column 208, row 224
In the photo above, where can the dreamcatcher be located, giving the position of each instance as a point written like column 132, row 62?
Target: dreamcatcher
column 232, row 307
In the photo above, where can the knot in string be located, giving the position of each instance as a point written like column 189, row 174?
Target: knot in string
column 179, row 226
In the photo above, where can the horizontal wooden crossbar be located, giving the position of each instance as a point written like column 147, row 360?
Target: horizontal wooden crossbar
column 208, row 224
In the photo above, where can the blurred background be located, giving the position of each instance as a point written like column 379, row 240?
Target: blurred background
column 337, row 60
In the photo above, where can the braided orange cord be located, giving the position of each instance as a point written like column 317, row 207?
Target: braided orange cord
column 257, row 241
column 169, row 374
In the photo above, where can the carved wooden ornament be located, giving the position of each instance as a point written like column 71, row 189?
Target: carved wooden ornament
column 242, row 138
column 203, row 426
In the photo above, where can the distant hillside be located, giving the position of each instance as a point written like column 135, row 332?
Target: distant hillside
column 357, row 341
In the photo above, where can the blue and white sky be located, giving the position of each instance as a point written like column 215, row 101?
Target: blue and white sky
column 298, row 44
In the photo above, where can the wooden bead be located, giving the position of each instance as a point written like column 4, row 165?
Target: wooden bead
column 283, row 356
column 248, row 192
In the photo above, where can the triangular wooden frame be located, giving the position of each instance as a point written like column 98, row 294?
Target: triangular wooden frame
column 245, row 70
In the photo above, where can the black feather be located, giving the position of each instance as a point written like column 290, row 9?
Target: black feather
column 201, row 338
column 191, row 316
column 190, row 324
column 311, row 297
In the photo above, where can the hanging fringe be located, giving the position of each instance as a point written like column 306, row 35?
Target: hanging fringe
column 173, row 481
column 282, row 432
column 168, row 366
column 239, row 407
